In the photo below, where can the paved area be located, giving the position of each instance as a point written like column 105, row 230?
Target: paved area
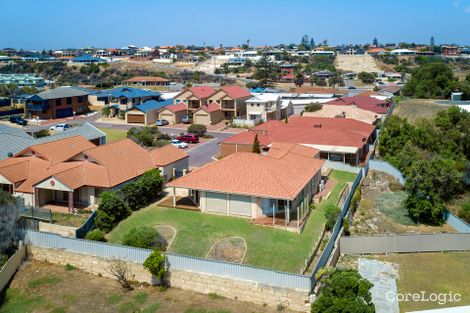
column 383, row 275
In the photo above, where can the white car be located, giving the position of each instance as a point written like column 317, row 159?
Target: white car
column 179, row 144
column 59, row 127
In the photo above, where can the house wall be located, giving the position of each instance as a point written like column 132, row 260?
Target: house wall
column 75, row 106
column 172, row 118
column 28, row 198
column 167, row 171
column 205, row 118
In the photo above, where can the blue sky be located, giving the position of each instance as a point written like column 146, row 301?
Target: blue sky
column 53, row 24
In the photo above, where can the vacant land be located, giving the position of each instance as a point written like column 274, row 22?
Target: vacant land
column 196, row 232
column 432, row 273
column 414, row 109
column 42, row 287
column 356, row 63
column 113, row 134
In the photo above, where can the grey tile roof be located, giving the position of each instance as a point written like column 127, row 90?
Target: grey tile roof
column 62, row 92
column 13, row 140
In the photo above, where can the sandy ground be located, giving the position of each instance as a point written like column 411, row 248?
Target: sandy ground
column 356, row 63
column 75, row 291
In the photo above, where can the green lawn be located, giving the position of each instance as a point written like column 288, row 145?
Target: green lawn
column 267, row 247
column 113, row 134
column 432, row 273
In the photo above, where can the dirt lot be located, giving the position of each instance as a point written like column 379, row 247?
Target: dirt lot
column 356, row 63
column 43, row 287
column 414, row 109
column 381, row 209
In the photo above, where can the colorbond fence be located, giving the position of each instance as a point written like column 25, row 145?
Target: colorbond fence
column 10, row 267
column 458, row 224
column 405, row 243
column 179, row 262
column 388, row 168
column 87, row 226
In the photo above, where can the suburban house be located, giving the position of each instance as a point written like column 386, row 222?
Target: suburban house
column 57, row 103
column 146, row 81
column 232, row 101
column 208, row 114
column 345, row 111
column 71, row 173
column 194, row 97
column 146, row 113
column 273, row 188
column 390, row 90
column 265, row 107
column 21, row 80
column 87, row 59
column 13, row 140
column 450, row 50
column 366, row 103
column 123, row 98
column 338, row 139
column 173, row 113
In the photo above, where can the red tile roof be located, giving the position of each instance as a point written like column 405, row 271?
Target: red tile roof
column 342, row 132
column 177, row 107
column 281, row 176
column 202, row 92
column 365, row 103
column 211, row 107
column 236, row 92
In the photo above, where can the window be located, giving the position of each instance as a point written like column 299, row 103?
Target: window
column 58, row 102
column 69, row 100
column 80, row 99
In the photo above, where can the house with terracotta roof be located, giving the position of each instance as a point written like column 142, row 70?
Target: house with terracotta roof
column 338, row 139
column 146, row 81
column 194, row 97
column 174, row 113
column 366, row 103
column 272, row 188
column 232, row 101
column 208, row 114
column 71, row 173
column 345, row 111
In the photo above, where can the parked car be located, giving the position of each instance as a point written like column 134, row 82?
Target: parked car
column 186, row 119
column 179, row 144
column 18, row 120
column 189, row 138
column 59, row 127
column 22, row 122
column 161, row 122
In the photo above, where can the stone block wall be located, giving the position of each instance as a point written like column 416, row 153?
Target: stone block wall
column 193, row 281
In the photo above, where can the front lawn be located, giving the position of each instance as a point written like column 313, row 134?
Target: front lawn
column 266, row 247
column 114, row 134
column 432, row 273
column 69, row 219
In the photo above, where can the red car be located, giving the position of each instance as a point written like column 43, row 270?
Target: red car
column 188, row 138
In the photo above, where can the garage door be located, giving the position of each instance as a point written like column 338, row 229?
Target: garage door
column 169, row 117
column 202, row 118
column 216, row 202
column 63, row 112
column 136, row 118
column 240, row 205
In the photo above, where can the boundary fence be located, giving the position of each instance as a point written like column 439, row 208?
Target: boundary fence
column 388, row 168
column 176, row 261
column 87, row 226
column 10, row 267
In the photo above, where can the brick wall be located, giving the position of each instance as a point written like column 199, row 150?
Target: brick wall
column 187, row 280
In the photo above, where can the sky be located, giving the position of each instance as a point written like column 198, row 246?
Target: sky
column 54, row 24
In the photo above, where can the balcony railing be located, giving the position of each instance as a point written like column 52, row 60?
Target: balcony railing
column 37, row 107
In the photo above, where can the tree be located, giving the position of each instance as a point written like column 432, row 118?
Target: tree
column 156, row 265
column 266, row 72
column 312, row 107
column 299, row 79
column 432, row 43
column 366, row 78
column 312, row 43
column 344, row 291
column 433, row 80
column 375, row 42
column 121, row 270
column 468, row 78
column 197, row 129
column 111, row 211
column 9, row 217
column 256, row 145
column 106, row 111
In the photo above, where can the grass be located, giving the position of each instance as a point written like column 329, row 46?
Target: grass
column 266, row 247
column 392, row 205
column 114, row 134
column 432, row 273
column 414, row 109
column 69, row 267
column 42, row 281
column 68, row 219
column 114, row 298
column 16, row 302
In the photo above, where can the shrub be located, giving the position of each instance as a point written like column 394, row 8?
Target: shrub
column 347, row 232
column 143, row 190
column 96, row 235
column 464, row 212
column 111, row 211
column 332, row 213
column 142, row 237
column 312, row 107
column 197, row 129
column 155, row 264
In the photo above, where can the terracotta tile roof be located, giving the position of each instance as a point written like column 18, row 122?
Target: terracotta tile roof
column 347, row 111
column 343, row 132
column 211, row 107
column 178, row 107
column 202, row 92
column 364, row 102
column 103, row 166
column 236, row 92
column 167, row 154
column 138, row 79
column 280, row 177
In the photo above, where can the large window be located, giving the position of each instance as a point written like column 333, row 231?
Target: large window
column 58, row 102
column 69, row 100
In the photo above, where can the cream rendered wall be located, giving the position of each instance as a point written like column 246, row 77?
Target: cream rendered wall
column 167, row 171
column 27, row 197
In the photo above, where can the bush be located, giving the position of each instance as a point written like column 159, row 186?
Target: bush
column 96, row 235
column 366, row 78
column 143, row 190
column 197, row 129
column 111, row 211
column 312, row 107
column 155, row 264
column 347, row 232
column 332, row 213
column 142, row 237
column 464, row 212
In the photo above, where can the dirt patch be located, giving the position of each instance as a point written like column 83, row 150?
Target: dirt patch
column 381, row 209
column 231, row 249
column 167, row 234
column 415, row 109
column 75, row 291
